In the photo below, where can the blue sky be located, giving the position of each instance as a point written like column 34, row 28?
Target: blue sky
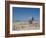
column 20, row 13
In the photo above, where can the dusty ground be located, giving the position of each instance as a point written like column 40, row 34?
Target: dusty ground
column 25, row 26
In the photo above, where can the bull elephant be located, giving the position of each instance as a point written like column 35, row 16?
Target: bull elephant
column 31, row 20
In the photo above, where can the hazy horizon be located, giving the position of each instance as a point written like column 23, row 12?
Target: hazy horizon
column 25, row 14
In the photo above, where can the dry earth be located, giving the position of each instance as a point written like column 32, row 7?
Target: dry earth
column 26, row 26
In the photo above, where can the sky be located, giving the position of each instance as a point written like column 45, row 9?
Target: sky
column 20, row 13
